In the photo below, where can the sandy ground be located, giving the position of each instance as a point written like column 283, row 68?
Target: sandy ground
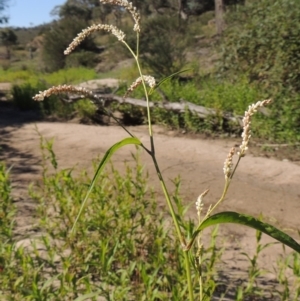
column 260, row 186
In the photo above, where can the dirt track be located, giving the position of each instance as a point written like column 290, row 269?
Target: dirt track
column 261, row 185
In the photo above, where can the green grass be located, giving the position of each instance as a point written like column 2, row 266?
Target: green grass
column 27, row 83
column 219, row 94
column 64, row 76
column 222, row 95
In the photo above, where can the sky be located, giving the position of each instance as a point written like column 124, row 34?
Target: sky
column 28, row 13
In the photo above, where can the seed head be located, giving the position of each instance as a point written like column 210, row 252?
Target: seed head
column 63, row 89
column 150, row 80
column 228, row 164
column 93, row 28
column 246, row 124
column 199, row 202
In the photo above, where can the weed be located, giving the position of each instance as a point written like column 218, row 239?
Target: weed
column 123, row 248
column 113, row 229
column 7, row 209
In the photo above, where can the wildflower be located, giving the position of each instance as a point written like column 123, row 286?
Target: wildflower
column 199, row 202
column 150, row 80
column 246, row 124
column 62, row 89
column 130, row 8
column 228, row 164
column 93, row 28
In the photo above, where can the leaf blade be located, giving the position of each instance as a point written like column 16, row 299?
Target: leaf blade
column 246, row 220
column 103, row 162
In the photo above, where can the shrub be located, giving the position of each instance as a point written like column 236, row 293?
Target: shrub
column 262, row 40
column 164, row 43
column 22, row 96
column 58, row 38
column 81, row 59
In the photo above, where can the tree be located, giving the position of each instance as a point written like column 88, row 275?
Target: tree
column 3, row 6
column 262, row 42
column 82, row 9
column 58, row 38
column 219, row 11
column 8, row 38
column 75, row 15
column 164, row 43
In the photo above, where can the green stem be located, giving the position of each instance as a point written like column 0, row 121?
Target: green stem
column 235, row 167
column 136, row 57
column 137, row 45
column 201, row 287
column 162, row 182
column 147, row 100
column 188, row 275
column 220, row 200
column 227, row 183
column 177, row 227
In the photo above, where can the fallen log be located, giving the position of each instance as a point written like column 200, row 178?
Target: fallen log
column 177, row 107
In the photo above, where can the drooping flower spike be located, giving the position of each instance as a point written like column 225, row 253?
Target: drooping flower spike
column 246, row 135
column 150, row 80
column 63, row 89
column 91, row 29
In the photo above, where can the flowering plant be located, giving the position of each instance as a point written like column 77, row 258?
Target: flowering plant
column 229, row 169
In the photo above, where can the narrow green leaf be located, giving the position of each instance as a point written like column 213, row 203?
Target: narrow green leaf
column 87, row 296
column 49, row 282
column 246, row 220
column 165, row 79
column 107, row 156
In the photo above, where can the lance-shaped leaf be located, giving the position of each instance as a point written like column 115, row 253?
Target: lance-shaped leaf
column 246, row 220
column 107, row 156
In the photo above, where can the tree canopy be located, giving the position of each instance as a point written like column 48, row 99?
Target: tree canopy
column 3, row 6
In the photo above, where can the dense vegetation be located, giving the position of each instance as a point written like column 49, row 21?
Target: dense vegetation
column 262, row 42
column 122, row 249
column 257, row 57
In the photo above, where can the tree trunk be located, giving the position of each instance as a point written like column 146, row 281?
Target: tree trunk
column 8, row 54
column 219, row 16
